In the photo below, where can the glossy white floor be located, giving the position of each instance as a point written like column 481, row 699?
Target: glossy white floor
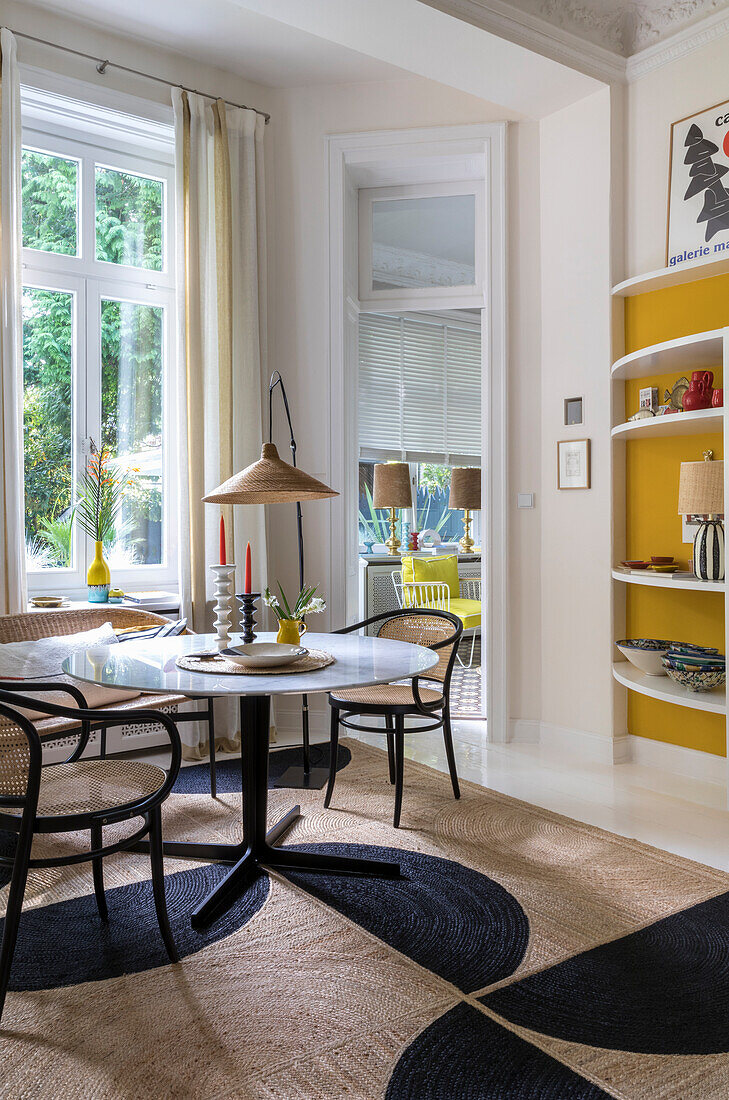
column 651, row 806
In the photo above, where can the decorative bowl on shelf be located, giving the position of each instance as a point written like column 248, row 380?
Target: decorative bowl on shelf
column 697, row 679
column 635, row 564
column 645, row 654
column 661, row 561
column 688, row 649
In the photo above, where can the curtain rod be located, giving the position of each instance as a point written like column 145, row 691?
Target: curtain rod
column 102, row 64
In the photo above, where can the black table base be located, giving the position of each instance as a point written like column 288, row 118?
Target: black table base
column 257, row 847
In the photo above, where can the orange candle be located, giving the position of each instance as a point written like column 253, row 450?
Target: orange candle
column 247, row 575
column 223, row 559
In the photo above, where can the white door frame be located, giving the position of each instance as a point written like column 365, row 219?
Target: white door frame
column 413, row 156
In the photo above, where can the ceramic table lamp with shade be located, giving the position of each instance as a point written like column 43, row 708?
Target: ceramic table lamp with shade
column 392, row 490
column 701, row 493
column 465, row 493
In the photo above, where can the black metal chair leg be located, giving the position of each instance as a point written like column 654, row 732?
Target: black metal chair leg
column 390, row 747
column 97, row 868
column 399, row 766
column 102, row 742
column 333, row 752
column 158, row 881
column 211, row 743
column 15, row 904
column 450, row 755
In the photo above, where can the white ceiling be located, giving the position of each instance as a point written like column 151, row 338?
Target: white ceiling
column 224, row 34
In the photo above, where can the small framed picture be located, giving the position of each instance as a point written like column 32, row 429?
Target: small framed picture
column 573, row 411
column 573, row 464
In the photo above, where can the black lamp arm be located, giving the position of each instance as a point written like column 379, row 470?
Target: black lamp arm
column 277, row 380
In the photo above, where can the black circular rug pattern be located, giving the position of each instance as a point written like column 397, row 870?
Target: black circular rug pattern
column 454, row 921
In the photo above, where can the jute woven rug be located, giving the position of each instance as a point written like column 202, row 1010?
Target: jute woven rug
column 522, row 955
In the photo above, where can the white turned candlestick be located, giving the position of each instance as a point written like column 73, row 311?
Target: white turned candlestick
column 223, row 599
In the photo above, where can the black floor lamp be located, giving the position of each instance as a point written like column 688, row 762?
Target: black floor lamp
column 268, row 481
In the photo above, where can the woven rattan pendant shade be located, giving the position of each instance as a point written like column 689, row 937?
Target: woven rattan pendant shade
column 701, row 489
column 269, row 481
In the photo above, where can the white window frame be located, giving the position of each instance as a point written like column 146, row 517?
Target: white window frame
column 438, row 297
column 74, row 135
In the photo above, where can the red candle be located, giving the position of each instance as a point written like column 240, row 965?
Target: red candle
column 247, row 576
column 223, row 559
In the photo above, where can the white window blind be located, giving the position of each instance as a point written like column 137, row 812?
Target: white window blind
column 419, row 389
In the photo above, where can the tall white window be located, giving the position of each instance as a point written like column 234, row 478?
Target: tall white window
column 98, row 330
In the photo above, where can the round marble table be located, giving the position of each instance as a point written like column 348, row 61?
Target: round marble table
column 150, row 666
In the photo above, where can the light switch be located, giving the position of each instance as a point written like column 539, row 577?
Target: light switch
column 525, row 500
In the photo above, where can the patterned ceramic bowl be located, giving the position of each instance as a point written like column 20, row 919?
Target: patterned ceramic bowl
column 696, row 660
column 689, row 649
column 645, row 654
column 705, row 679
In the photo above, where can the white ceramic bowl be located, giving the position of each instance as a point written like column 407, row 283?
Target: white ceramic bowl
column 265, row 654
column 645, row 654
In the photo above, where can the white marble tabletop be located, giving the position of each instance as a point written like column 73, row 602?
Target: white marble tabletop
column 150, row 665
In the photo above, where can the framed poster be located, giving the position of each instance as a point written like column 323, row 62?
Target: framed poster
column 573, row 464
column 698, row 188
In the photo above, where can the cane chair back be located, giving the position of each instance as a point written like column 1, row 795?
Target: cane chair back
column 425, row 630
column 15, row 758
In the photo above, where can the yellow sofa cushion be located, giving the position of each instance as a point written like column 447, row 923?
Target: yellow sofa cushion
column 436, row 570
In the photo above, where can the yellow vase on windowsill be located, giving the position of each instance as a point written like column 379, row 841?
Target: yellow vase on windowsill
column 290, row 630
column 98, row 577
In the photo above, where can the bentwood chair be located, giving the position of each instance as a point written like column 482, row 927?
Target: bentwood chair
column 439, row 630
column 77, row 795
column 43, row 624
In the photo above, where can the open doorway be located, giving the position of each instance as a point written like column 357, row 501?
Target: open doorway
column 419, row 404
column 417, row 241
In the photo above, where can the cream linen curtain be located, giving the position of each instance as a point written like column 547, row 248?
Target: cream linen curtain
column 221, row 294
column 12, row 507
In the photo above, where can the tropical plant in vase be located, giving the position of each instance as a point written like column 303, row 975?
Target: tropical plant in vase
column 97, row 512
column 291, row 623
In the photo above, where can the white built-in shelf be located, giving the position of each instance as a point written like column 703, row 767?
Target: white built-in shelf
column 667, row 580
column 686, row 423
column 685, row 353
column 661, row 687
column 672, row 276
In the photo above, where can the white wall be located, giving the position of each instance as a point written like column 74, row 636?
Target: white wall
column 576, row 595
column 299, row 317
column 692, row 83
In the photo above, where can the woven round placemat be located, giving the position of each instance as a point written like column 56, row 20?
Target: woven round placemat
column 207, row 662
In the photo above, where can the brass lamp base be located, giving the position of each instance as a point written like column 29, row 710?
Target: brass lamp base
column 393, row 543
column 466, row 543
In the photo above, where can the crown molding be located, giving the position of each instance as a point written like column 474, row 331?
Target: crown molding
column 535, row 33
column 684, row 42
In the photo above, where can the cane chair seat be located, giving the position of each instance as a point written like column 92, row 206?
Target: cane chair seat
column 385, row 695
column 94, row 786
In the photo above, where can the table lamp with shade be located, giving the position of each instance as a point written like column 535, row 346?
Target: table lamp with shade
column 392, row 490
column 701, row 493
column 270, row 480
column 465, row 493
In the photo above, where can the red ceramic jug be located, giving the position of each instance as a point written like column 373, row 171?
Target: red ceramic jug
column 698, row 395
column 717, row 399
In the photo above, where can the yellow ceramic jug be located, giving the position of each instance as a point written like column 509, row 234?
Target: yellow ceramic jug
column 290, row 630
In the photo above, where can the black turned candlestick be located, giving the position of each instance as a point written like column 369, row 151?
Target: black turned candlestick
column 247, row 601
